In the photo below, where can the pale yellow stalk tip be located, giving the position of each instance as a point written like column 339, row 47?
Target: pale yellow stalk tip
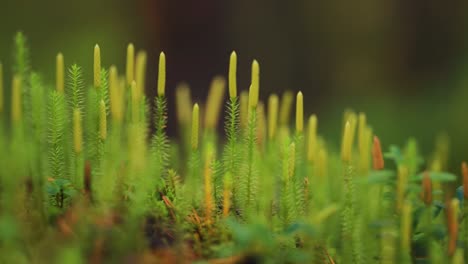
column 312, row 138
column 299, row 112
column 162, row 74
column 60, row 69
column 215, row 102
column 183, row 104
column 255, row 86
column 140, row 77
column 272, row 115
column 130, row 66
column 285, row 108
column 195, row 126
column 233, row 75
column 347, row 142
column 97, row 66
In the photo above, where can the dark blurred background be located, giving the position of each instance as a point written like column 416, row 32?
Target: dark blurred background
column 403, row 62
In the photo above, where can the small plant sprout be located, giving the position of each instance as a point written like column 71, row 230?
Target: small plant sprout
column 140, row 73
column 285, row 108
column 97, row 66
column 347, row 143
column 90, row 172
column 299, row 112
column 214, row 103
column 195, row 126
column 233, row 75
column 60, row 83
column 312, row 138
column 255, row 86
column 272, row 116
column 116, row 94
column 183, row 104
column 130, row 65
column 162, row 75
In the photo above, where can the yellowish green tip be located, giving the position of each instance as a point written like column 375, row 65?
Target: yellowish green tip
column 255, row 86
column 233, row 75
column 116, row 95
column 195, row 126
column 183, row 103
column 215, row 102
column 77, row 131
column 162, row 74
column 361, row 133
column 347, row 142
column 97, row 66
column 130, row 66
column 299, row 112
column 285, row 108
column 312, row 138
column 60, row 68
column 140, row 77
column 272, row 115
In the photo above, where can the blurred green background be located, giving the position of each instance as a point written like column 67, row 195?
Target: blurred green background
column 405, row 63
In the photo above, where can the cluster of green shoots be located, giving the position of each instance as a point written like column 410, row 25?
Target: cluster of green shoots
column 89, row 174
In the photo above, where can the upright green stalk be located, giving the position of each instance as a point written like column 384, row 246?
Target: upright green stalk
column 160, row 142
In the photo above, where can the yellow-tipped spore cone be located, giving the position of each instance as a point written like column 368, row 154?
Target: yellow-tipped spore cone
column 312, row 139
column 60, row 69
column 272, row 116
column 97, row 66
column 195, row 126
column 162, row 74
column 214, row 102
column 299, row 112
column 255, row 86
column 233, row 75
column 130, row 66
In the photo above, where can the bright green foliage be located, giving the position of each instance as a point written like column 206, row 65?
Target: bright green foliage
column 56, row 130
column 160, row 142
column 75, row 87
column 131, row 192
